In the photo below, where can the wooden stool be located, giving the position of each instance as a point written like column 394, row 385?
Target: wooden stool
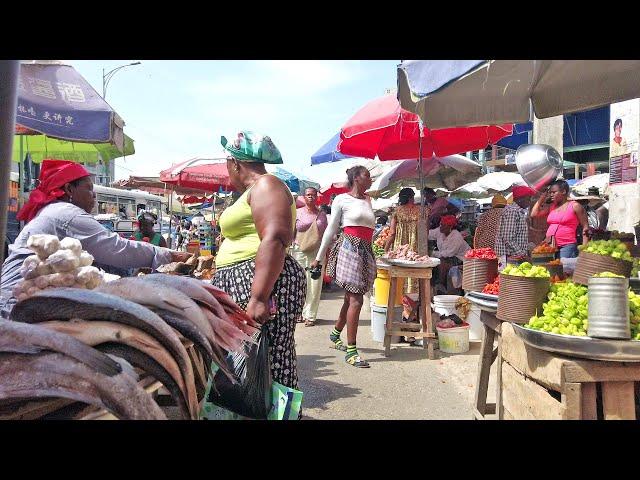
column 423, row 275
column 540, row 385
column 491, row 327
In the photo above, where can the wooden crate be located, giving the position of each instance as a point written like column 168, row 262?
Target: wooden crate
column 538, row 385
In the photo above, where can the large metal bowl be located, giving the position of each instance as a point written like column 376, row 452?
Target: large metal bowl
column 583, row 347
column 538, row 164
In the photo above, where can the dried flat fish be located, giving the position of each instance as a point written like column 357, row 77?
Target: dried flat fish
column 70, row 303
column 96, row 333
column 46, row 375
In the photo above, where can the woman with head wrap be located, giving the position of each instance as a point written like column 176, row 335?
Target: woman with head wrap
column 146, row 233
column 404, row 227
column 252, row 263
column 487, row 228
column 61, row 206
column 351, row 261
column 451, row 247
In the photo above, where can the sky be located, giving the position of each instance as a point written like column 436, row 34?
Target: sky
column 177, row 110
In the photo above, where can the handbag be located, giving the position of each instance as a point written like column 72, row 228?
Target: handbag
column 309, row 240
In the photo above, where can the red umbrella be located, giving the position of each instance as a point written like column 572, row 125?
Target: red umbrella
column 384, row 129
column 324, row 196
column 204, row 174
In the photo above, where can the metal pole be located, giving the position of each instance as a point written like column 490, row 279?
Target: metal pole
column 9, row 70
column 170, row 217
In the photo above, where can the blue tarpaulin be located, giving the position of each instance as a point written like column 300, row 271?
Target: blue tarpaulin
column 57, row 101
column 329, row 152
column 582, row 128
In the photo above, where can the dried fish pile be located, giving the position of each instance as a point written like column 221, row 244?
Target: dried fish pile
column 165, row 327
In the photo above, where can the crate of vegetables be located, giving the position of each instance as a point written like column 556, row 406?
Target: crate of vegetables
column 543, row 253
column 523, row 290
column 599, row 256
column 480, row 267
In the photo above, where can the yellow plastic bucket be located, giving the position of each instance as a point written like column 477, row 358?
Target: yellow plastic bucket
column 382, row 284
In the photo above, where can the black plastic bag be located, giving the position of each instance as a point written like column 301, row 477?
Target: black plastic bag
column 250, row 396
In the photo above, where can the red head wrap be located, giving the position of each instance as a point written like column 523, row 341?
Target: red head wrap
column 520, row 191
column 53, row 175
column 449, row 220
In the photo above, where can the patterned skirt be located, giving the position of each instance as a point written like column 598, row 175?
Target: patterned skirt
column 352, row 264
column 290, row 289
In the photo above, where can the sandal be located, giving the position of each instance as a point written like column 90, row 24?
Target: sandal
column 309, row 323
column 356, row 361
column 338, row 345
column 300, row 320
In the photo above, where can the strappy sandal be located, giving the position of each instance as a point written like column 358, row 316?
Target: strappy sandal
column 338, row 345
column 356, row 361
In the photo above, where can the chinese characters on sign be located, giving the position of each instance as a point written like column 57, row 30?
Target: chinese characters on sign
column 47, row 117
column 69, row 92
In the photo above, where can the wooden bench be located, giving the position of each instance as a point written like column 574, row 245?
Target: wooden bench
column 540, row 385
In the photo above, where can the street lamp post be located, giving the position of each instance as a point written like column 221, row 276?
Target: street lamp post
column 106, row 77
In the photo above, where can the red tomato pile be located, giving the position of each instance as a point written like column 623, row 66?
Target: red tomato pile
column 493, row 288
column 482, row 253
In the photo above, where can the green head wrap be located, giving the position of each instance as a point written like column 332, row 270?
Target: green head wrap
column 251, row 147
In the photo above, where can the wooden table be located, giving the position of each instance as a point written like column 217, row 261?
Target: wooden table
column 491, row 327
column 423, row 275
column 540, row 385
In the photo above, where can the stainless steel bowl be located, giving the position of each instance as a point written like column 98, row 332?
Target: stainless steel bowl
column 538, row 164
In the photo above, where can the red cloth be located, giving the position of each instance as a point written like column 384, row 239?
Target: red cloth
column 364, row 233
column 449, row 220
column 520, row 191
column 53, row 175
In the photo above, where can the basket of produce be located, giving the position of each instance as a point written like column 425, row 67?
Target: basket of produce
column 543, row 253
column 566, row 311
column 480, row 267
column 599, row 256
column 523, row 290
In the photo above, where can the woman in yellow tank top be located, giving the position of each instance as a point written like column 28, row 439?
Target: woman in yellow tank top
column 252, row 264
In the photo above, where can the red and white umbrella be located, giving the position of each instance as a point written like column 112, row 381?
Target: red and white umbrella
column 206, row 174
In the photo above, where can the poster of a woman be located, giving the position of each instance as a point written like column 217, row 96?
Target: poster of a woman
column 624, row 128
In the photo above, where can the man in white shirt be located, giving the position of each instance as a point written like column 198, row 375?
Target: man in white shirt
column 451, row 247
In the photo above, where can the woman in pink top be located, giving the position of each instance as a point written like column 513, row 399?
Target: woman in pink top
column 305, row 216
column 563, row 217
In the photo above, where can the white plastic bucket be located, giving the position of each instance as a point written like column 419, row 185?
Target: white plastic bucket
column 473, row 319
column 454, row 340
column 378, row 321
column 445, row 304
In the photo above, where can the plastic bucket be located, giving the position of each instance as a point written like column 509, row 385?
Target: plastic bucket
column 454, row 340
column 445, row 304
column 379, row 319
column 473, row 319
column 381, row 286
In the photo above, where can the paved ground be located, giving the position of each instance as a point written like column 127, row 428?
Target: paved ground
column 405, row 385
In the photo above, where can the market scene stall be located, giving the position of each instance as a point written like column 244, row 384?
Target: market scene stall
column 454, row 260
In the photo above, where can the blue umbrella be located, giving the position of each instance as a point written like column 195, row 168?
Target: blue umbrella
column 296, row 183
column 54, row 99
column 329, row 152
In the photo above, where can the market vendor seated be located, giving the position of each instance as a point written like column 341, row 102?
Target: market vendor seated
column 451, row 248
column 146, row 233
column 61, row 205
